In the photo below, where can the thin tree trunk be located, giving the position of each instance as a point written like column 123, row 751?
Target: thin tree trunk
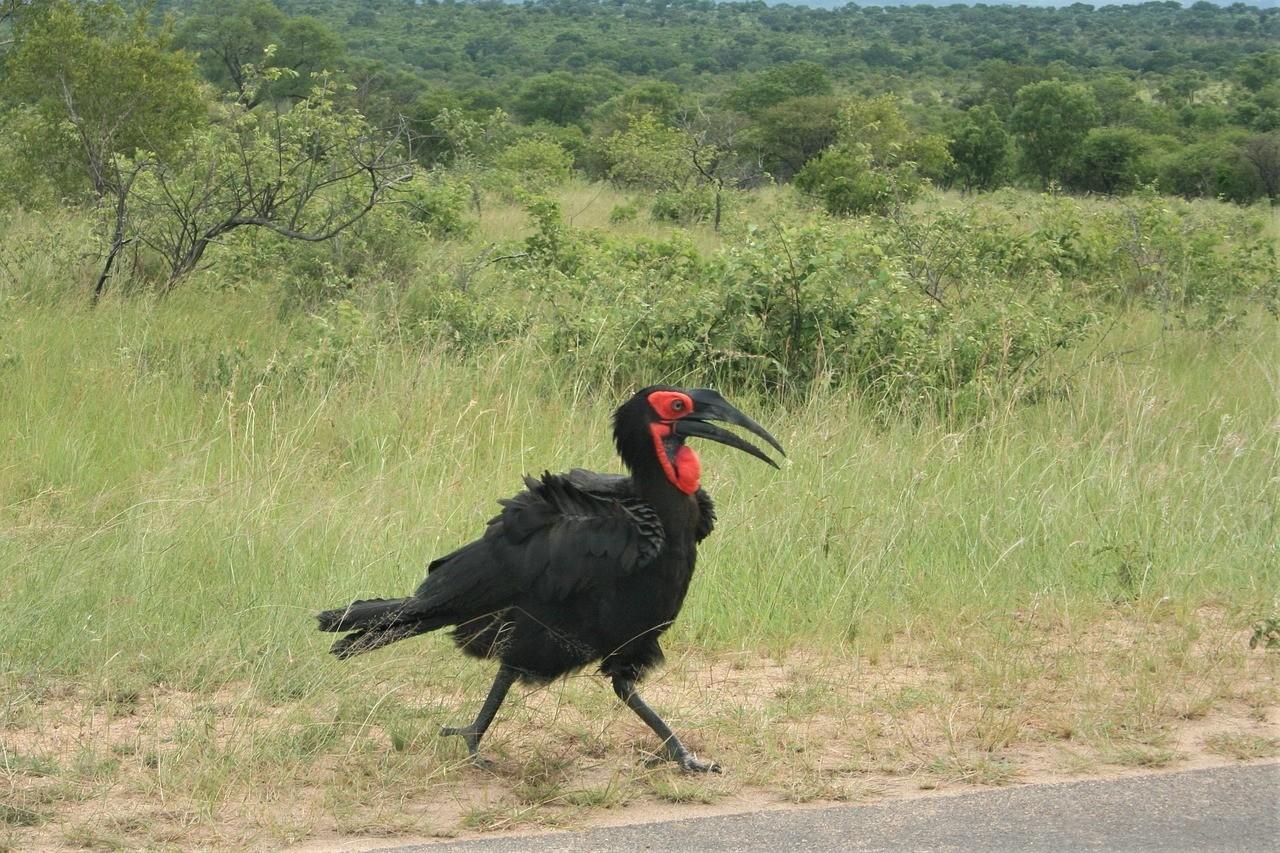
column 123, row 186
column 100, row 286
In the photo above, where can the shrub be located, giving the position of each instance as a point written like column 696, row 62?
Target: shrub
column 848, row 182
column 1213, row 169
column 1113, row 160
column 876, row 162
column 439, row 204
column 694, row 204
column 621, row 213
column 784, row 308
column 533, row 164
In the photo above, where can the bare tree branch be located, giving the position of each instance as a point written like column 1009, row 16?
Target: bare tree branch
column 307, row 175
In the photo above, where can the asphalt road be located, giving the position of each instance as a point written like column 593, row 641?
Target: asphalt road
column 1230, row 808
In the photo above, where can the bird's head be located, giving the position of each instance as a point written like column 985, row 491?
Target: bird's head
column 652, row 427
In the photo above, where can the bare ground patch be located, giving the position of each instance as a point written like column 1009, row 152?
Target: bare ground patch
column 353, row 758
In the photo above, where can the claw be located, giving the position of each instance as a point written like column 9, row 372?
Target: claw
column 690, row 763
column 472, row 738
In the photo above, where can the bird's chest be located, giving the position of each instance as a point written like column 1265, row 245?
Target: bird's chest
column 667, row 578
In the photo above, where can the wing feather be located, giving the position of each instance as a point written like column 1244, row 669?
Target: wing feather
column 706, row 516
column 561, row 535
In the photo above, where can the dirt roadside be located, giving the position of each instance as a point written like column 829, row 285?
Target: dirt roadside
column 355, row 769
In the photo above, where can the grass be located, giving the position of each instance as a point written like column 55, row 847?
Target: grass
column 1243, row 746
column 1058, row 588
column 144, row 512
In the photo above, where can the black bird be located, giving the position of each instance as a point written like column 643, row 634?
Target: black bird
column 578, row 568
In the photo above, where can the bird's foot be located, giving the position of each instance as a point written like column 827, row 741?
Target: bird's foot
column 472, row 738
column 690, row 763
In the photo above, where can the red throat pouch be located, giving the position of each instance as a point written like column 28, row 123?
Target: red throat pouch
column 686, row 472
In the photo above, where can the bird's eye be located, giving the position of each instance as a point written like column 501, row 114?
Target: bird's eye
column 677, row 405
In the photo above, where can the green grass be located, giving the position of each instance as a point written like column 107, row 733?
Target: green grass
column 156, row 528
column 183, row 483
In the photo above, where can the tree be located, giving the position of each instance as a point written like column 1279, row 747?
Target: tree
column 980, row 148
column 1260, row 110
column 1179, row 89
column 230, row 36
column 778, row 84
column 648, row 155
column 689, row 166
column 11, row 11
column 649, row 96
column 847, row 180
column 233, row 37
column 467, row 145
column 793, row 132
column 559, row 97
column 999, row 82
column 90, row 68
column 877, row 160
column 534, row 163
column 1215, row 168
column 1113, row 160
column 308, row 173
column 1259, row 70
column 1051, row 119
column 1117, row 98
column 307, row 48
column 1263, row 153
column 712, row 142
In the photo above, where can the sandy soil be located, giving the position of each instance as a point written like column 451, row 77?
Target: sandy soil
column 234, row 769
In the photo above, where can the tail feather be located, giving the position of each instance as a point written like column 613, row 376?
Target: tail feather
column 364, row 614
column 378, row 622
column 359, row 642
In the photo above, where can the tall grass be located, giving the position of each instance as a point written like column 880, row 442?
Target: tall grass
column 181, row 487
column 911, row 600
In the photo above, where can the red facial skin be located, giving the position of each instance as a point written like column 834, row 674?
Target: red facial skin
column 686, row 472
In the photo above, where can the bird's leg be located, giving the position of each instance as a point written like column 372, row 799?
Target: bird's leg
column 672, row 748
column 471, row 734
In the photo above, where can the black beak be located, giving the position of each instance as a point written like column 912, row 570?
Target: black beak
column 708, row 405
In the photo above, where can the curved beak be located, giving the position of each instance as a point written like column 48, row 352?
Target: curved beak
column 708, row 405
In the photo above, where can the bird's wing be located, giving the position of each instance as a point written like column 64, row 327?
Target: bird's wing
column 623, row 488
column 706, row 516
column 559, row 536
column 562, row 534
column 602, row 485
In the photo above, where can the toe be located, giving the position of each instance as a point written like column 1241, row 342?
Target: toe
column 693, row 764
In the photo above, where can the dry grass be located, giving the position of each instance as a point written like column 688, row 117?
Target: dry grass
column 238, row 769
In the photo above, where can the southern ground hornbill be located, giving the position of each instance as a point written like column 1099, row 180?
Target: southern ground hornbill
column 578, row 568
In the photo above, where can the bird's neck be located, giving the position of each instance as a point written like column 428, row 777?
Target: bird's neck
column 665, row 477
column 671, row 502
column 676, row 459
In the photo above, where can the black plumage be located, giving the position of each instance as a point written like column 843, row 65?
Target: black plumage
column 577, row 568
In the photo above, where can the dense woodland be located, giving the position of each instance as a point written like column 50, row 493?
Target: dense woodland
column 935, row 168
column 1093, row 99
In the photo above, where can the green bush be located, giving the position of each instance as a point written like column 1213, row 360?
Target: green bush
column 1113, row 160
column 439, row 204
column 534, row 164
column 877, row 160
column 622, row 213
column 693, row 204
column 847, row 182
column 781, row 309
column 1213, row 169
